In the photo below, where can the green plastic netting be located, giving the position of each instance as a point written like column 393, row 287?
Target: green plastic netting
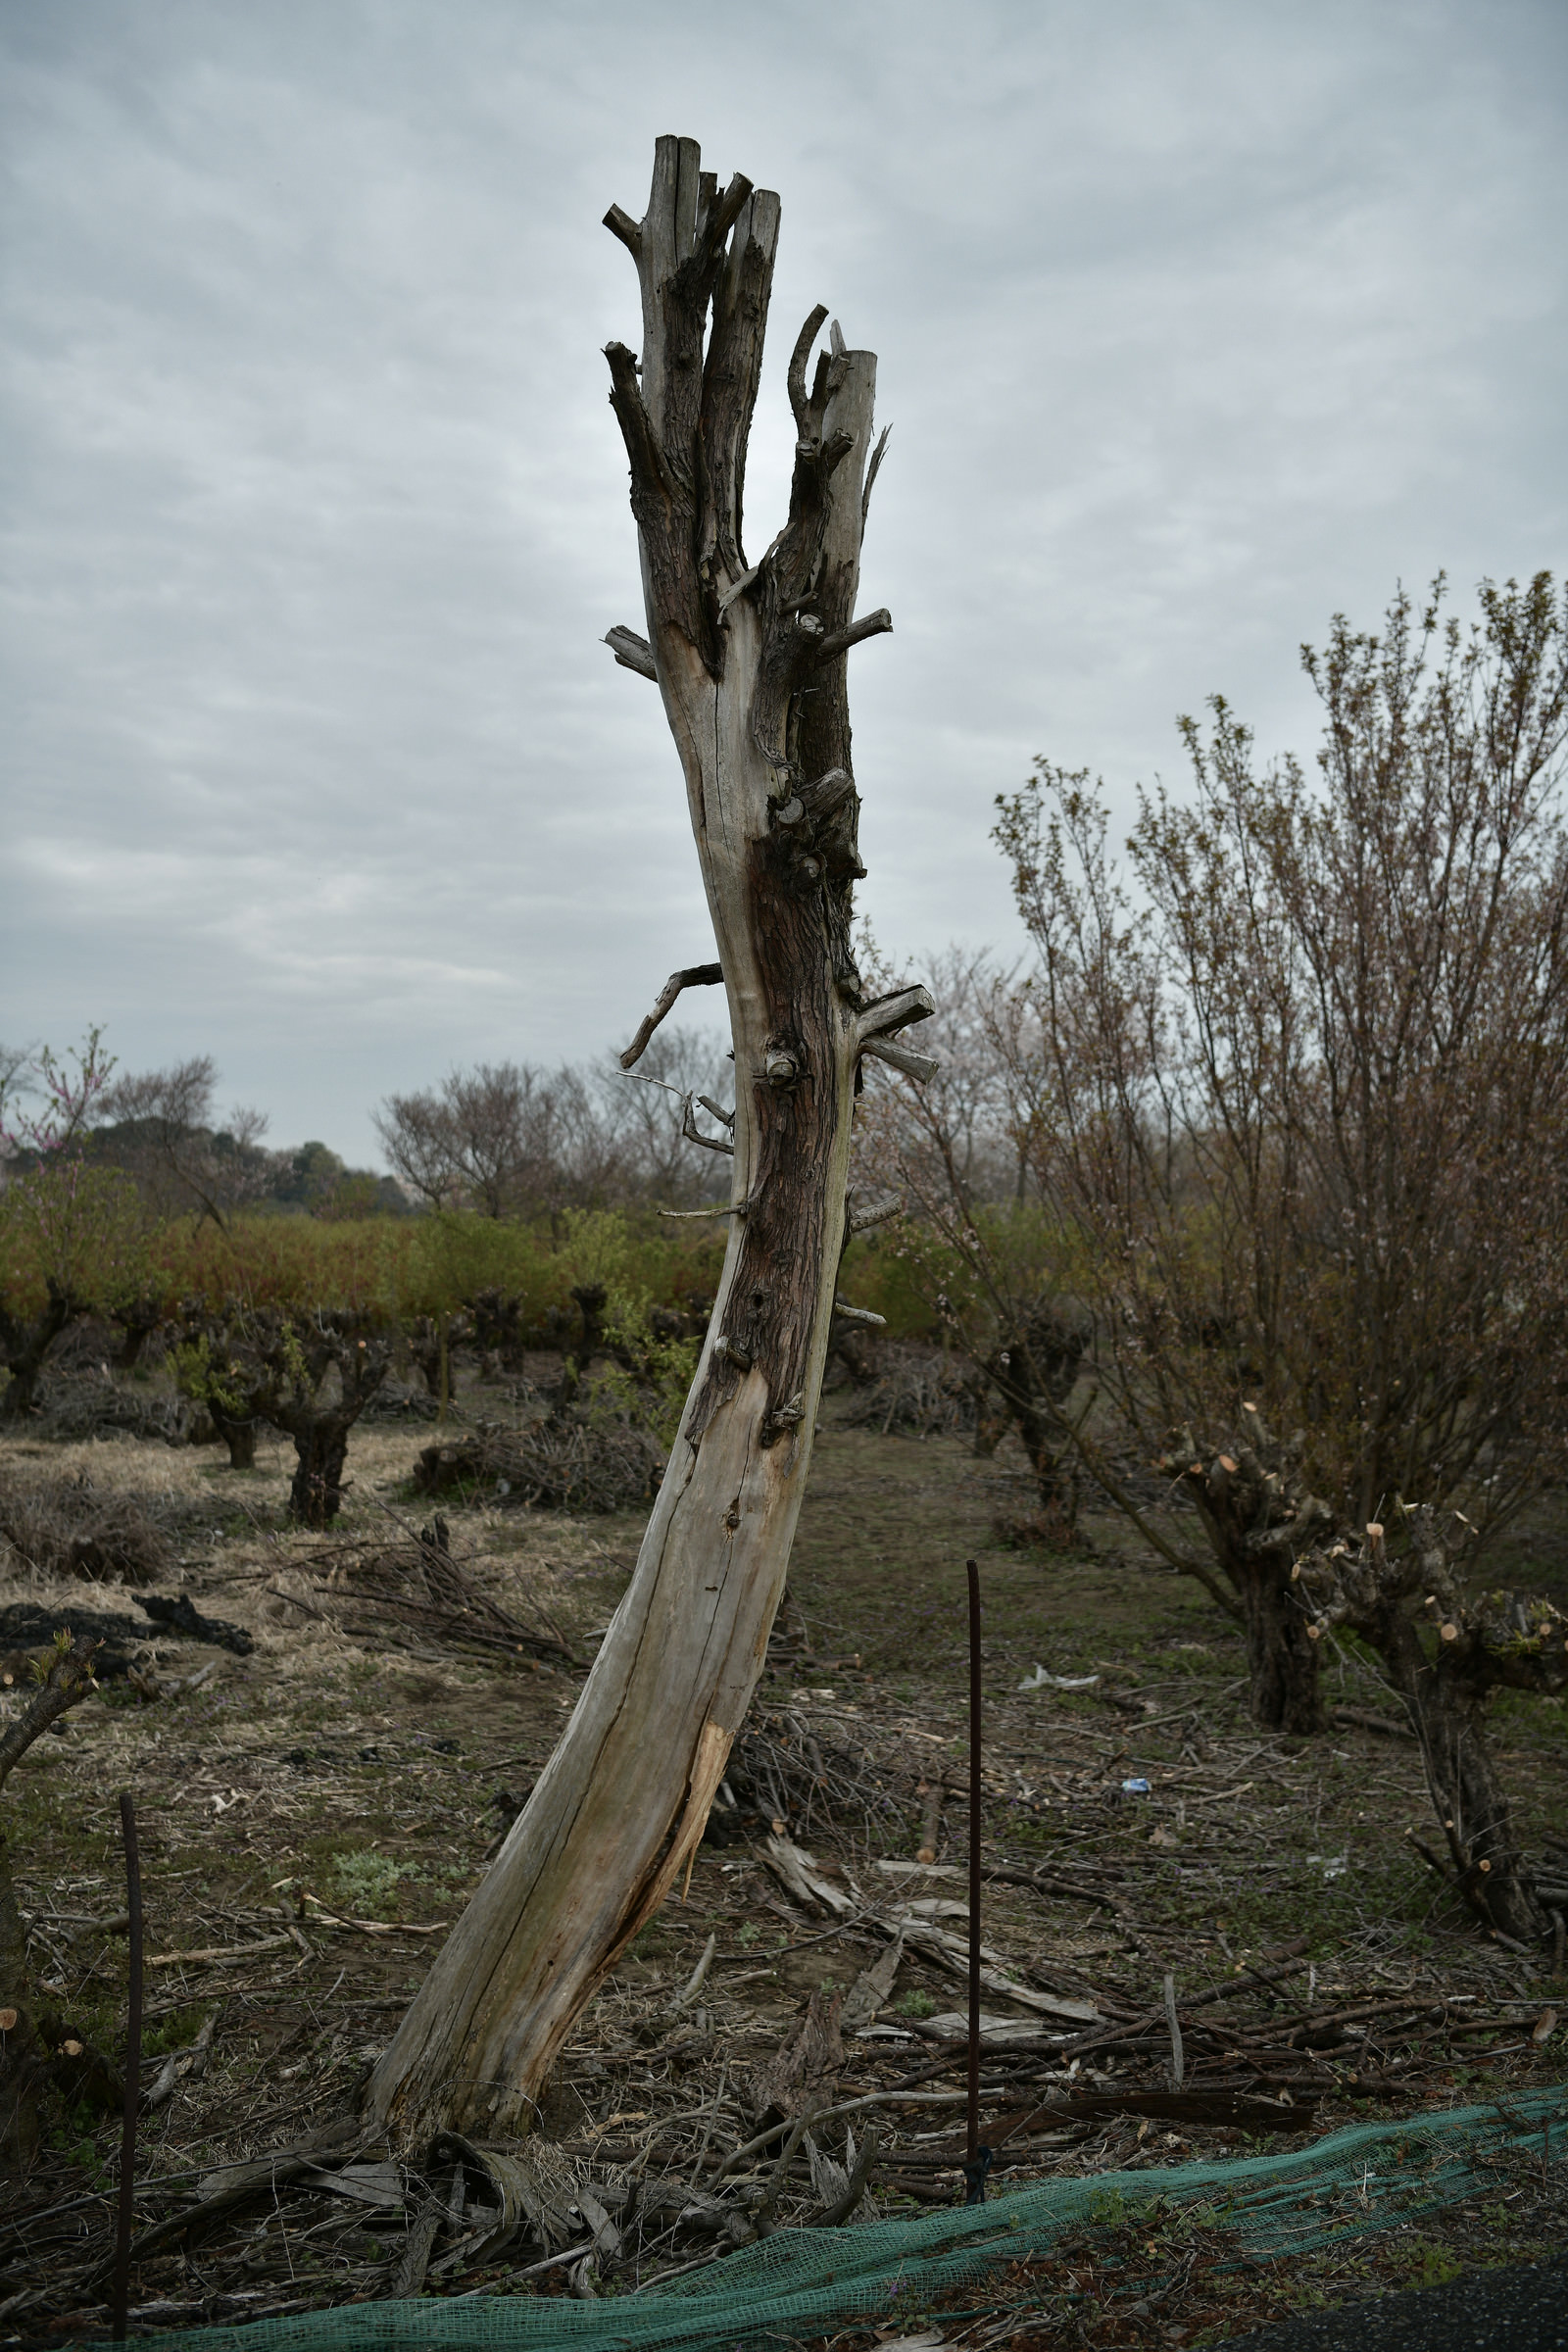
column 801, row 2282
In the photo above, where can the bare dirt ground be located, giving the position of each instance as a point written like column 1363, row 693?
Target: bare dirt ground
column 314, row 1813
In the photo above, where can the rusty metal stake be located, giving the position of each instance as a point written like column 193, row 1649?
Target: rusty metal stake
column 127, row 2138
column 977, row 2163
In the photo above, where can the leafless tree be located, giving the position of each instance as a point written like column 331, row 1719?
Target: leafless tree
column 496, row 1137
column 749, row 659
column 1297, row 1088
column 161, row 1127
column 470, row 1141
column 512, row 1141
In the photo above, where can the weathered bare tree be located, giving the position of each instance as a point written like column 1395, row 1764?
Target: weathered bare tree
column 750, row 659
column 160, row 1127
column 472, row 1141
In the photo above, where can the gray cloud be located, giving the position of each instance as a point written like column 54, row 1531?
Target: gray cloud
column 1195, row 323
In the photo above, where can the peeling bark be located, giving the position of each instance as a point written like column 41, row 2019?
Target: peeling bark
column 750, row 662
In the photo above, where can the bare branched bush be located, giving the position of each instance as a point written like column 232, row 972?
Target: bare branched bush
column 421, row 1583
column 512, row 1141
column 917, row 1391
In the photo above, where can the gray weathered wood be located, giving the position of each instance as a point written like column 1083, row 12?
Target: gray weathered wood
column 750, row 662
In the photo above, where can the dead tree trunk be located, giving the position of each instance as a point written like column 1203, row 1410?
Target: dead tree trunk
column 750, row 659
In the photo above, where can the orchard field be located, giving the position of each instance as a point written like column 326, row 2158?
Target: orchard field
column 315, row 1811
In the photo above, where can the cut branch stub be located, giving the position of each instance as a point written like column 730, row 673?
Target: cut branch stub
column 919, row 1066
column 632, row 652
column 746, row 661
column 695, row 975
column 885, row 1015
column 874, row 624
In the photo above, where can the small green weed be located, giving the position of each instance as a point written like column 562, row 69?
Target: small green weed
column 75, row 2144
column 915, row 2003
column 369, row 1883
column 175, row 2032
column 1430, row 2263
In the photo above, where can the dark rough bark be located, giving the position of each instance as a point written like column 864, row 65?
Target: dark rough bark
column 239, row 1435
column 316, row 1492
column 1284, row 1688
column 1033, row 1373
column 1444, row 1653
column 222, row 1368
column 592, row 1300
column 434, row 1340
column 137, row 1324
column 301, row 1404
column 499, row 1335
column 25, row 1342
column 1259, row 1518
column 25, row 2055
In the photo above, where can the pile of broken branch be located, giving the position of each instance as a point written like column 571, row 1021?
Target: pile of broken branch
column 424, row 1586
column 70, row 1526
column 566, row 1460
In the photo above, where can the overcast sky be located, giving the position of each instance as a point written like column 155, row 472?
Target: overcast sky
column 1197, row 324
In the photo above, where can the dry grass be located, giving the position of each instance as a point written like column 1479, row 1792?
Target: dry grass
column 340, row 1773
column 75, row 1527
